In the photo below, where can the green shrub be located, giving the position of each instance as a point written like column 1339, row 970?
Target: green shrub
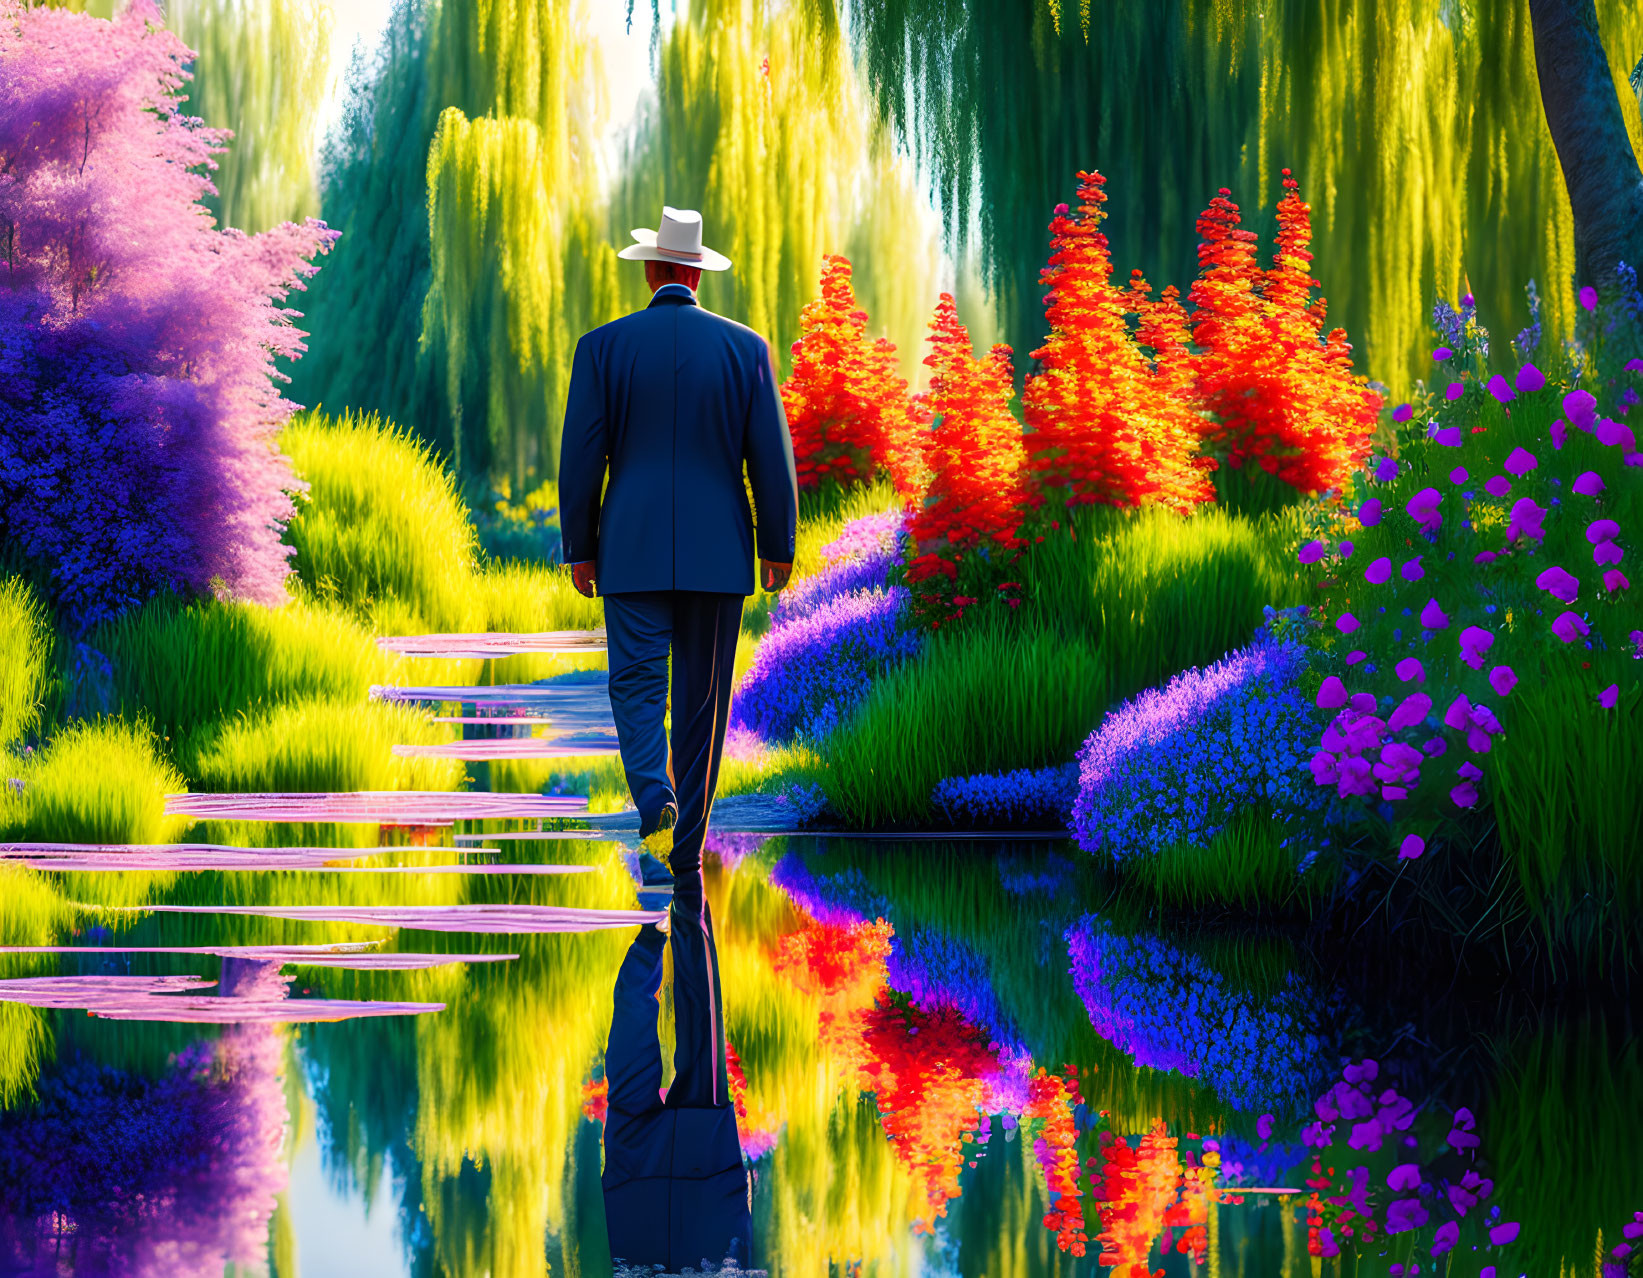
column 25, row 653
column 188, row 666
column 24, row 1043
column 990, row 697
column 1161, row 593
column 313, row 746
column 96, row 781
column 382, row 520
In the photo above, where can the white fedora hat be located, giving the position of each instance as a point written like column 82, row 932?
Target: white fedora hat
column 679, row 240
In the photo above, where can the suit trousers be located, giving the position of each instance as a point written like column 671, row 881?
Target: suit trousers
column 702, row 630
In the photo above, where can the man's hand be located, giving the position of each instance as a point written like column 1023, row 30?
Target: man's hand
column 581, row 575
column 773, row 576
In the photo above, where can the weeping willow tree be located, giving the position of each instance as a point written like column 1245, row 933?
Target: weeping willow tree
column 758, row 120
column 260, row 70
column 1416, row 130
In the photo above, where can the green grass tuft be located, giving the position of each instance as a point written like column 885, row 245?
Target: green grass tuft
column 1243, row 866
column 383, row 522
column 97, row 781
column 984, row 698
column 25, row 654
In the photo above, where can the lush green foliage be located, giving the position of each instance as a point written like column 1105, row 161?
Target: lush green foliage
column 25, row 653
column 102, row 781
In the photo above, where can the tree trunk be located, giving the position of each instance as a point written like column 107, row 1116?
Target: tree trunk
column 1600, row 169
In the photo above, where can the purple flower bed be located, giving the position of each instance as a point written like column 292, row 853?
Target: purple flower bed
column 1173, row 764
column 860, row 559
column 810, row 672
column 1026, row 797
column 1167, row 1008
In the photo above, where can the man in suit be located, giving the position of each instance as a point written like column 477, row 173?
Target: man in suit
column 672, row 401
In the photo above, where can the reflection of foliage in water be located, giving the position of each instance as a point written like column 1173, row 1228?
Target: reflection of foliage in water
column 174, row 1175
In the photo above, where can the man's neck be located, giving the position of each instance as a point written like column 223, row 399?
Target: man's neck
column 673, row 284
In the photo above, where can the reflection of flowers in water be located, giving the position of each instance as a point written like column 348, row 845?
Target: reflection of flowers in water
column 164, row 1177
column 1143, row 1192
column 1169, row 1009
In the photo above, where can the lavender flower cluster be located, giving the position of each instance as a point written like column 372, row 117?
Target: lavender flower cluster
column 809, row 673
column 840, row 898
column 1170, row 1009
column 831, row 635
column 1026, row 797
column 1171, row 765
column 937, row 971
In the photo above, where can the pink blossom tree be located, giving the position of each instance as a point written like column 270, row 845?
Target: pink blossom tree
column 139, row 414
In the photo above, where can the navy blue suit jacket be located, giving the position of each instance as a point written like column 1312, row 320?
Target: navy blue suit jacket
column 672, row 401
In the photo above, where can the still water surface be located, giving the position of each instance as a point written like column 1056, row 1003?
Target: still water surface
column 964, row 1059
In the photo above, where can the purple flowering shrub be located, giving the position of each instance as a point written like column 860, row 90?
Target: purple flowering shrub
column 1027, row 797
column 1489, row 554
column 138, row 411
column 1170, row 1009
column 831, row 634
column 1172, row 765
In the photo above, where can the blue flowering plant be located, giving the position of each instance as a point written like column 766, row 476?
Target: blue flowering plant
column 1174, row 766
column 1027, row 798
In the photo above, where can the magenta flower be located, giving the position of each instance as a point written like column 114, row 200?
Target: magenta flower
column 1485, row 557
column 1379, row 572
column 1614, row 580
column 1499, row 388
column 1559, row 584
column 1355, row 656
column 1433, row 617
column 1442, row 353
column 1609, row 696
column 1470, row 771
column 1331, row 694
column 1311, row 552
column 1588, row 298
column 1481, row 724
column 1402, row 413
column 1459, row 475
column 1454, row 390
column 1412, row 571
column 1346, row 550
column 1607, row 552
column 1587, row 484
column 1569, row 627
column 1474, row 642
column 1520, row 462
column 1403, row 1177
column 1634, row 366
column 1602, row 530
column 1411, row 847
column 1364, row 703
column 1346, row 623
column 1415, row 707
column 1611, row 433
column 1369, row 514
column 1560, row 433
column 1464, row 795
column 1410, row 668
column 1386, row 470
column 1530, row 379
column 1456, row 716
column 1581, row 409
column 1526, row 520
column 1500, row 1235
column 1448, row 436
column 1497, row 485
column 1502, row 679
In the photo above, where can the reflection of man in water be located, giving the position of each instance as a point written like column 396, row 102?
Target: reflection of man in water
column 676, row 1192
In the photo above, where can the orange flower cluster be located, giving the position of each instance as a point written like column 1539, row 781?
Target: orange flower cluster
column 1051, row 1097
column 844, row 966
column 928, row 1071
column 1137, row 1189
column 1105, row 426
column 1279, row 395
column 966, row 530
column 596, row 1099
column 848, row 412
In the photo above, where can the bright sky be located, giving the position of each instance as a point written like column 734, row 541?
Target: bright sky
column 626, row 55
